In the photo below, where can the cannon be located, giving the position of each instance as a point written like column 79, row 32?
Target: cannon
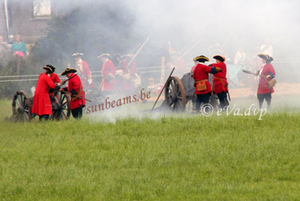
column 22, row 106
column 178, row 92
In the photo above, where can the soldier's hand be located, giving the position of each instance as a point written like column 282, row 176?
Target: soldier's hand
column 268, row 76
column 57, row 87
column 219, row 69
column 256, row 72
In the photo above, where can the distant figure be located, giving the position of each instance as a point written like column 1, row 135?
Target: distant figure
column 42, row 104
column 266, row 73
column 108, row 73
column 83, row 71
column 178, row 62
column 240, row 57
column 3, row 46
column 19, row 47
column 116, row 59
column 129, row 73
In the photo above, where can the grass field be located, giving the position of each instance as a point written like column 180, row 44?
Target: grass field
column 178, row 157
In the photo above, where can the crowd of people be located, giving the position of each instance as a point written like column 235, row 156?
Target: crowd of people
column 119, row 79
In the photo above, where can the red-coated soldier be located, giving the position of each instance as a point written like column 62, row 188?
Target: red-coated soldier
column 266, row 73
column 76, row 91
column 201, row 73
column 54, row 77
column 129, row 73
column 178, row 62
column 83, row 71
column 220, row 84
column 108, row 73
column 42, row 104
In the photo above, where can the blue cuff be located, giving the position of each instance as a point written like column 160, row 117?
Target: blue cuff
column 73, row 92
column 213, row 70
column 272, row 75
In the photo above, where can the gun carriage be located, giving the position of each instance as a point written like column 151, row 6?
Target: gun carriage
column 22, row 106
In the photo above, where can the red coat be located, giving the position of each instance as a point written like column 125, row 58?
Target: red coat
column 84, row 72
column 263, row 85
column 54, row 77
column 75, row 83
column 220, row 83
column 128, row 84
column 108, row 82
column 42, row 103
column 201, row 73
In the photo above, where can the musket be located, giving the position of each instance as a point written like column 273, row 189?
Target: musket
column 163, row 88
column 76, row 96
column 273, row 40
column 138, row 52
column 134, row 48
column 271, row 82
column 190, row 48
column 184, row 48
column 64, row 82
column 222, row 47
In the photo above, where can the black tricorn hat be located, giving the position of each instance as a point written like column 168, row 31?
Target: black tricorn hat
column 69, row 70
column 219, row 57
column 49, row 67
column 266, row 57
column 201, row 58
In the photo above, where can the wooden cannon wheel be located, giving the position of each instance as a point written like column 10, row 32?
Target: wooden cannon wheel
column 21, row 107
column 175, row 95
column 61, row 106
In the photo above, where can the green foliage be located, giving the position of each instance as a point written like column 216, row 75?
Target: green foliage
column 12, row 65
column 92, row 29
column 176, row 157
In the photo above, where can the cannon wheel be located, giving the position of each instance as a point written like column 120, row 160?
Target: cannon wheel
column 61, row 106
column 175, row 95
column 21, row 107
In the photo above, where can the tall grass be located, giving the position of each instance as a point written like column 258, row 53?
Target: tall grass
column 180, row 157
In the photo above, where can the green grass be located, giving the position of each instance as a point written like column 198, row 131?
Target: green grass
column 181, row 157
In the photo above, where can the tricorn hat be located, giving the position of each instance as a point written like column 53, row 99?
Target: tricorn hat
column 201, row 58
column 77, row 54
column 49, row 67
column 265, row 57
column 219, row 57
column 69, row 70
column 125, row 56
column 104, row 55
